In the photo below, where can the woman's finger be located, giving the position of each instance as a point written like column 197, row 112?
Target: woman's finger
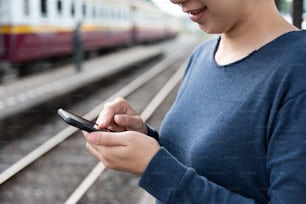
column 130, row 122
column 119, row 106
column 93, row 151
column 106, row 139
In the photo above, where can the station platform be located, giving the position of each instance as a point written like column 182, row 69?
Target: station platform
column 146, row 198
column 34, row 90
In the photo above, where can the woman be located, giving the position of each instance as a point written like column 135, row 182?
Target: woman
column 236, row 132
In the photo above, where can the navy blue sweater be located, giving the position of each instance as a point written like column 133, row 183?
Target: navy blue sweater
column 236, row 133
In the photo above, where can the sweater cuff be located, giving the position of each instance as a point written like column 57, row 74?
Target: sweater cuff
column 162, row 175
column 152, row 132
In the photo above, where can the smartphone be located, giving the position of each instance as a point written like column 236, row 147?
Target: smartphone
column 77, row 121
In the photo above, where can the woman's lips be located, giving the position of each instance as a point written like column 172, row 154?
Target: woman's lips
column 196, row 14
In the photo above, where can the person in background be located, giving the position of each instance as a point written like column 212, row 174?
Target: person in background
column 77, row 47
column 236, row 132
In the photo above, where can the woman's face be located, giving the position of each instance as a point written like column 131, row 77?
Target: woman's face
column 217, row 16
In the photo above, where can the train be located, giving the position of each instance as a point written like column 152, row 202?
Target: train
column 34, row 30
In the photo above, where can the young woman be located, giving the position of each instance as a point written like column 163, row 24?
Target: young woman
column 236, row 132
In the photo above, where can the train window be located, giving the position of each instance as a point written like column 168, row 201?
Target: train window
column 124, row 14
column 106, row 14
column 59, row 7
column 103, row 14
column 72, row 11
column 94, row 11
column 120, row 14
column 43, row 8
column 2, row 13
column 114, row 15
column 111, row 14
column 84, row 10
column 26, row 7
column 100, row 14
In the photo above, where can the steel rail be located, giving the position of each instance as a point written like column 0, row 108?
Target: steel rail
column 67, row 132
column 145, row 115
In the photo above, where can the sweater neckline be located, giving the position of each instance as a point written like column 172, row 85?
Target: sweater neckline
column 267, row 45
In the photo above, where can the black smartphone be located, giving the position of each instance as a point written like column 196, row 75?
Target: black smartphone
column 77, row 121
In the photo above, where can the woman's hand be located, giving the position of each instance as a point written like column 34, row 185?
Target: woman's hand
column 127, row 151
column 120, row 116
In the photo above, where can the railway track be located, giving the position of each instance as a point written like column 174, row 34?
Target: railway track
column 60, row 170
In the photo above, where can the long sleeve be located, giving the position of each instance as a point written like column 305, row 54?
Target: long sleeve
column 173, row 183
column 152, row 132
column 286, row 155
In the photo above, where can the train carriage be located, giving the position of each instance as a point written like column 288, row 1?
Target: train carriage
column 32, row 30
column 149, row 22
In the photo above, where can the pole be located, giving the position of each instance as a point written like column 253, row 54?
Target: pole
column 297, row 13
